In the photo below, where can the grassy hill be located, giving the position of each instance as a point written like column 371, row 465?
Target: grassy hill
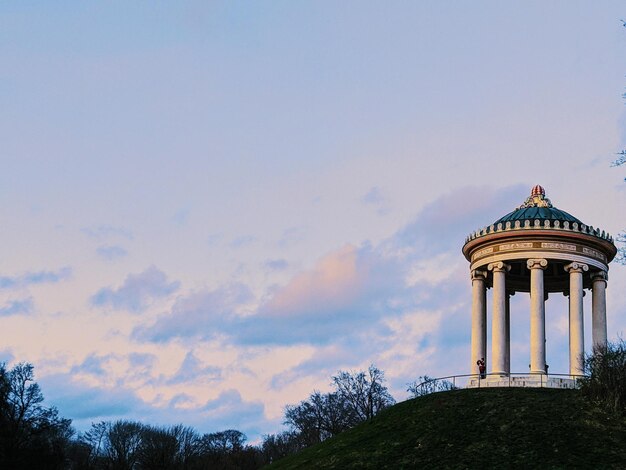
column 504, row 428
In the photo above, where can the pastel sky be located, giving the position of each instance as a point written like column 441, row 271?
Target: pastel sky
column 209, row 208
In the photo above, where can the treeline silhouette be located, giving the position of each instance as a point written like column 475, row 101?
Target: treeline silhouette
column 34, row 436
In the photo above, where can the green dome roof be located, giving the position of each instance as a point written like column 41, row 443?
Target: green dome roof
column 538, row 213
column 537, row 206
column 543, row 213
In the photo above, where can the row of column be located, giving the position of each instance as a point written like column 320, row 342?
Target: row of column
column 500, row 328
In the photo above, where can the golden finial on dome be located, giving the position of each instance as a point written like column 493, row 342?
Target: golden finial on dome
column 537, row 198
column 537, row 191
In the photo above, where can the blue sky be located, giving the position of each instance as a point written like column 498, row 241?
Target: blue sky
column 208, row 208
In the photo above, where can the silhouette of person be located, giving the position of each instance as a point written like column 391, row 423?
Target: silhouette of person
column 481, row 367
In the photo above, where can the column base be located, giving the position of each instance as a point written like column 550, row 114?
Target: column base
column 498, row 373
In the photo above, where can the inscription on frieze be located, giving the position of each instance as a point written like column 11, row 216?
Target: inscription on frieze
column 594, row 253
column 558, row 246
column 514, row 246
column 481, row 253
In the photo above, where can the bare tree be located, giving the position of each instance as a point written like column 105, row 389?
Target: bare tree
column 277, row 446
column 189, row 444
column 31, row 434
column 115, row 446
column 621, row 237
column 334, row 414
column 605, row 383
column 302, row 420
column 358, row 396
column 320, row 417
column 224, row 442
column 126, row 444
column 95, row 439
column 227, row 449
column 363, row 392
column 159, row 449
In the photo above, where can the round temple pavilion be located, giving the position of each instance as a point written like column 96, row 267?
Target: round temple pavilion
column 538, row 249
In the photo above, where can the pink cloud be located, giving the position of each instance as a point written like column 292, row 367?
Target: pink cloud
column 332, row 284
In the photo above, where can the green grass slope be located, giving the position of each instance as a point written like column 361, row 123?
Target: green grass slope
column 479, row 428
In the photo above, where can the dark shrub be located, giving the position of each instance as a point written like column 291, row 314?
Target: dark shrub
column 606, row 381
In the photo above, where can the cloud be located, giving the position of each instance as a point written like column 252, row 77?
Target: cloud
column 332, row 284
column 227, row 402
column 214, row 238
column 340, row 293
column 443, row 224
column 276, row 264
column 137, row 292
column 105, row 368
column 5, row 356
column 181, row 216
column 34, row 278
column 102, row 232
column 97, row 404
column 192, row 368
column 243, row 240
column 292, row 235
column 92, row 365
column 85, row 404
column 213, row 415
column 111, row 252
column 345, row 292
column 201, row 314
column 230, row 408
column 324, row 362
column 352, row 293
column 17, row 307
column 374, row 198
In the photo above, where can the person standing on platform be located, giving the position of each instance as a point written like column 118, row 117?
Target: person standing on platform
column 481, row 367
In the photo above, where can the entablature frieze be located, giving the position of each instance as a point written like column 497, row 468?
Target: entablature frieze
column 517, row 256
column 536, row 245
column 598, row 248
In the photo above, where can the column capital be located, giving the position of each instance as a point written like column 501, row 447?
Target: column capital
column 537, row 263
column 601, row 276
column 499, row 266
column 576, row 267
column 478, row 275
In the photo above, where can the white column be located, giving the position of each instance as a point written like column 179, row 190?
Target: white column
column 479, row 319
column 598, row 309
column 507, row 351
column 498, row 325
column 576, row 322
column 537, row 316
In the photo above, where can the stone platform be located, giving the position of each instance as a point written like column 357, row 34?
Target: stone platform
column 530, row 380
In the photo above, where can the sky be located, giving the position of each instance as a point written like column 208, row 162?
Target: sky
column 210, row 208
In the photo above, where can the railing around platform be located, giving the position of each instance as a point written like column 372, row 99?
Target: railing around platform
column 534, row 380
